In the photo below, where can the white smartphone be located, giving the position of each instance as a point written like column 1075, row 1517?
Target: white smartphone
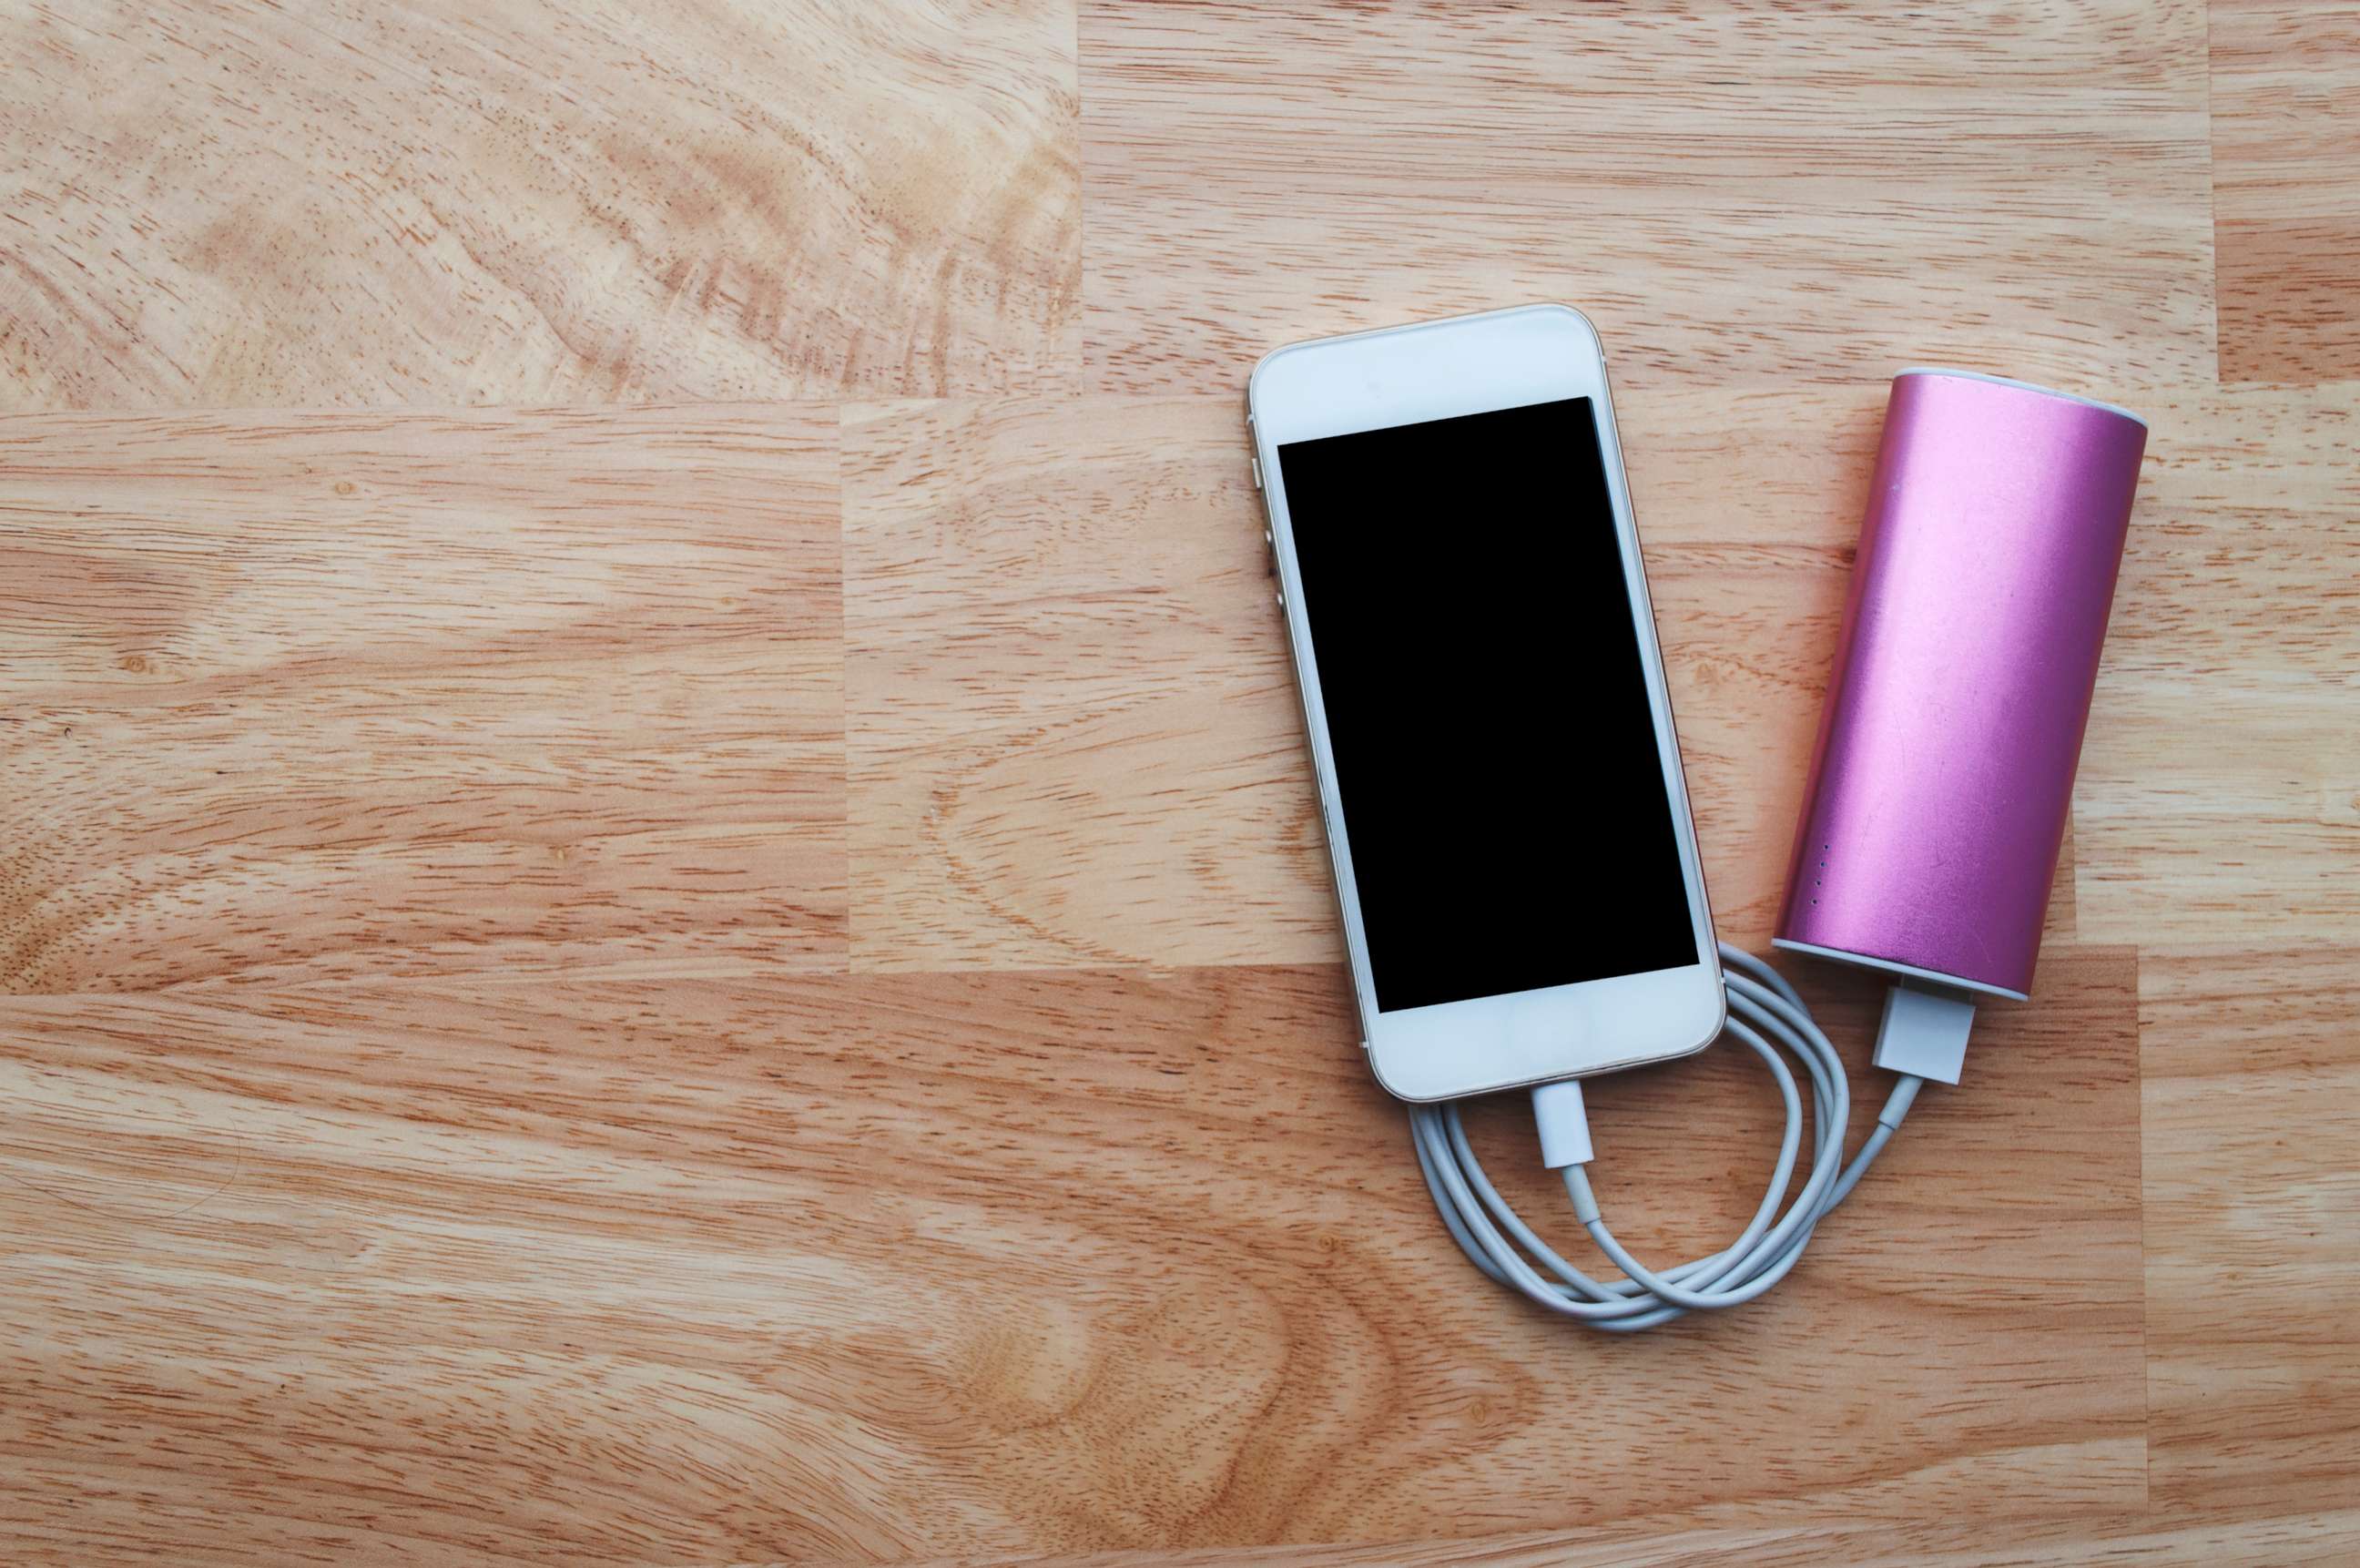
column 1489, row 724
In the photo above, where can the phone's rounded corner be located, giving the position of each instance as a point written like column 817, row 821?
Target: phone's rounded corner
column 1392, row 1085
column 1576, row 317
column 1713, row 1012
column 1717, row 1017
column 1254, row 377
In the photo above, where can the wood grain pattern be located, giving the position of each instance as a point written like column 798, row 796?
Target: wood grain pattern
column 303, row 696
column 1059, row 628
column 2251, row 1114
column 436, row 202
column 1739, row 193
column 2219, row 784
column 897, row 1266
column 2097, row 1537
column 2285, row 137
column 728, row 982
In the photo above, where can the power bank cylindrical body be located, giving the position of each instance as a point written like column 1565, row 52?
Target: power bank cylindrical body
column 1944, row 768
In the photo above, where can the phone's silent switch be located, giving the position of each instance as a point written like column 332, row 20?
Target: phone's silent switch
column 1281, row 598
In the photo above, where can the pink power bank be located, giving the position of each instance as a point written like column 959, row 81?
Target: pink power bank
column 1944, row 768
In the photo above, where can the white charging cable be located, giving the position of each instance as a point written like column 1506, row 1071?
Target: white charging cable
column 1922, row 1031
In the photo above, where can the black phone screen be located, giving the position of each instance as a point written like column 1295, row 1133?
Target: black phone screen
column 1494, row 747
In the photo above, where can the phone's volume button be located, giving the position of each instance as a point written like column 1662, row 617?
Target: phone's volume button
column 1257, row 471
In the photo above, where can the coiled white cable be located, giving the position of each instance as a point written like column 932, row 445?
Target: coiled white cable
column 1764, row 1013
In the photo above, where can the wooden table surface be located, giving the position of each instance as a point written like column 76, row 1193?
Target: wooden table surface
column 659, row 896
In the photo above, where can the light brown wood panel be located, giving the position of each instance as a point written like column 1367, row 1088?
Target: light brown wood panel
column 313, row 695
column 2285, row 201
column 2219, row 793
column 446, row 201
column 2251, row 1114
column 884, row 1266
column 1073, row 727
column 2131, row 1536
column 1739, row 193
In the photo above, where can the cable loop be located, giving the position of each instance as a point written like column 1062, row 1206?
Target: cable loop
column 1765, row 1015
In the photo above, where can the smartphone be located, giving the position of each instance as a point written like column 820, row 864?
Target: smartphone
column 1490, row 729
